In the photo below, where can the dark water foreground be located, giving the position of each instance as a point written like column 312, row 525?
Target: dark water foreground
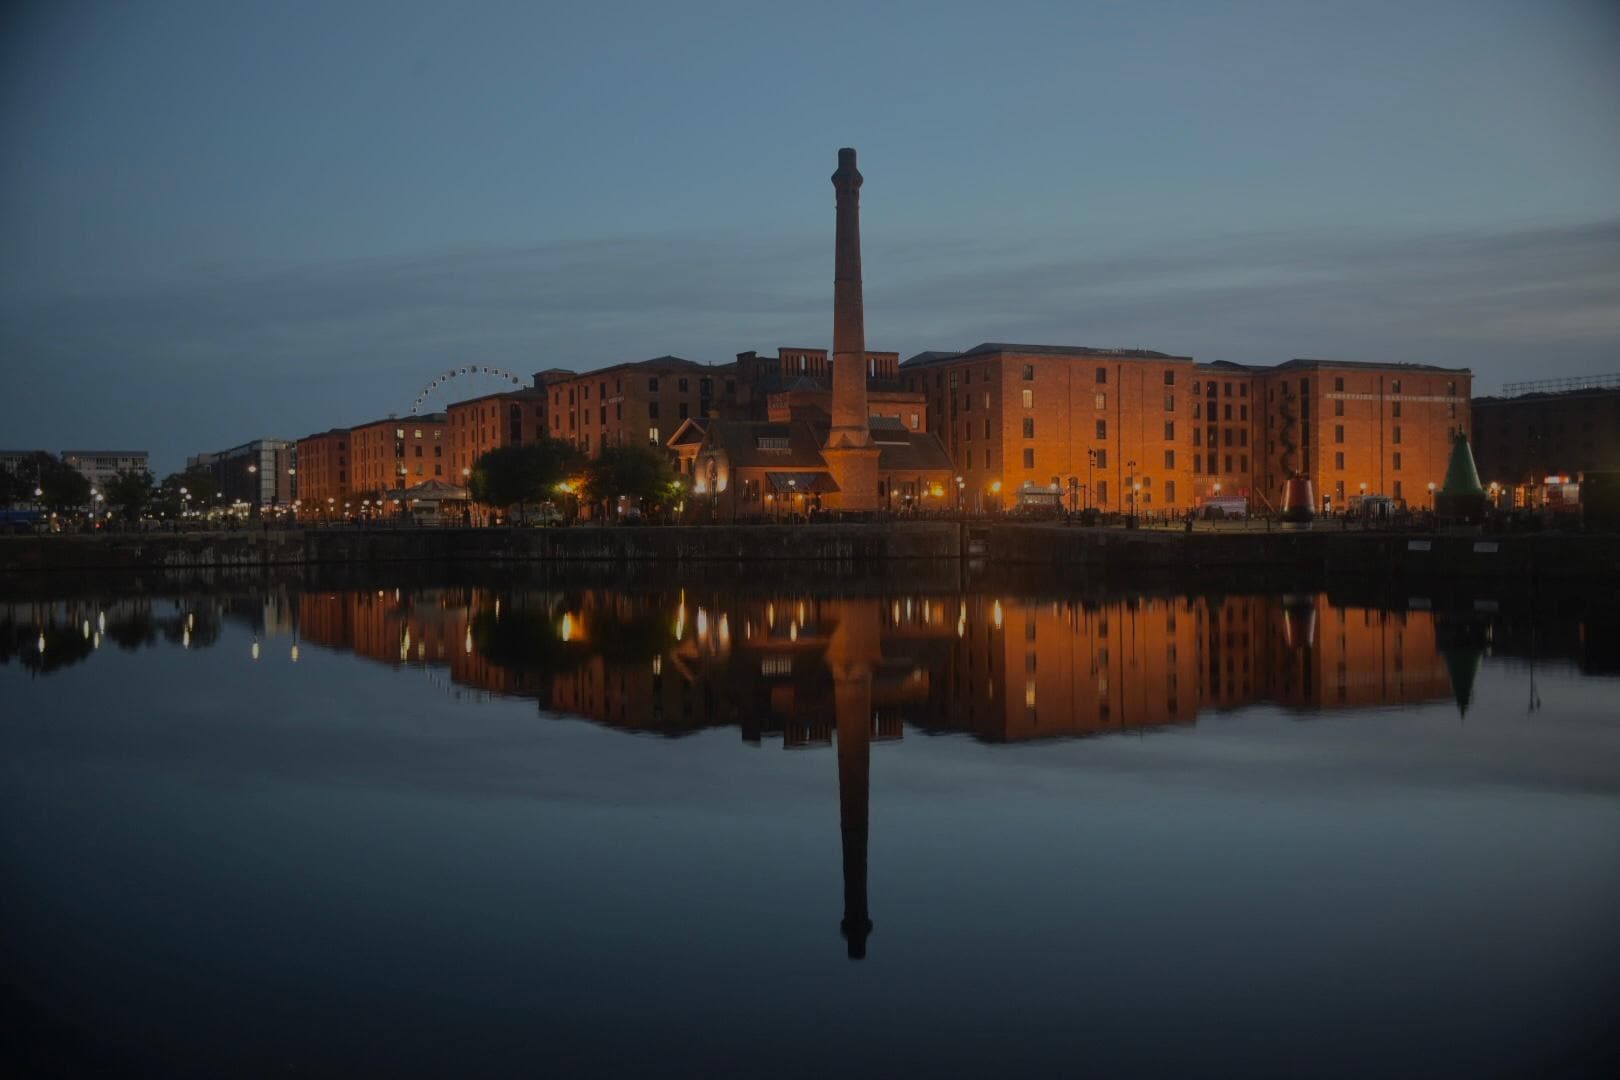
column 492, row 828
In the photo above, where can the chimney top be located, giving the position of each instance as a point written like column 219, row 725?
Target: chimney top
column 846, row 157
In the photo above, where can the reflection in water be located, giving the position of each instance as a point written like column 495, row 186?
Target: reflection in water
column 817, row 671
column 812, row 670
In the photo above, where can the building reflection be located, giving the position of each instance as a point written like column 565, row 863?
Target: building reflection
column 850, row 672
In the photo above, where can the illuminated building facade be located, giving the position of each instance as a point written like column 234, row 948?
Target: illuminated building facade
column 323, row 471
column 1124, row 430
column 386, row 455
column 478, row 425
column 639, row 404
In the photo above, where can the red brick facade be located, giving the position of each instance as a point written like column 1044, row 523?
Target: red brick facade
column 1095, row 427
column 323, row 471
column 389, row 454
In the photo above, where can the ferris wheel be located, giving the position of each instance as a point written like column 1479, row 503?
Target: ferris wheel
column 472, row 371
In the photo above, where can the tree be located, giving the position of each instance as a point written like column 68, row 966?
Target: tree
column 634, row 472
column 130, row 492
column 197, row 482
column 61, row 486
column 520, row 475
column 13, row 489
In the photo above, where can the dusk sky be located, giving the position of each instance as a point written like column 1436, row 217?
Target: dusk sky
column 226, row 221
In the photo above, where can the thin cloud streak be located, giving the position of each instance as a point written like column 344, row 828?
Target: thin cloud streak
column 345, row 341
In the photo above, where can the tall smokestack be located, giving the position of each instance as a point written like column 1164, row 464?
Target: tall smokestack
column 850, row 426
column 851, row 456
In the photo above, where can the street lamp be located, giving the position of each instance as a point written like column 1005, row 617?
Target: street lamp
column 1134, row 488
column 1091, row 463
column 961, row 485
column 1431, row 494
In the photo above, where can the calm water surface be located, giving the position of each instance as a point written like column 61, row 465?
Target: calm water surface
column 456, row 831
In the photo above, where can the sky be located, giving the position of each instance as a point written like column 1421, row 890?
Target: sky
column 221, row 222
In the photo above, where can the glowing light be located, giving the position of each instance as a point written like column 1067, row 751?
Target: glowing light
column 995, row 487
column 793, row 632
column 101, row 622
column 567, row 630
column 295, row 652
column 95, row 640
column 680, row 618
column 995, row 614
column 41, row 642
column 87, row 629
column 658, row 665
column 770, row 616
column 254, row 651
column 185, row 638
column 725, row 629
column 1029, row 694
column 466, row 644
column 937, row 491
column 702, row 623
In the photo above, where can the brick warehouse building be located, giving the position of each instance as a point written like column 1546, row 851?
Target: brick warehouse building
column 323, row 471
column 479, row 425
column 1520, row 441
column 636, row 404
column 396, row 453
column 1028, row 424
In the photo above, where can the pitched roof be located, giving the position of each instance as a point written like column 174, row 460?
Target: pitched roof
column 1306, row 363
column 921, row 452
column 739, row 441
column 992, row 348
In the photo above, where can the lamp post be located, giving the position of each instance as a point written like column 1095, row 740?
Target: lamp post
column 995, row 489
column 1091, row 463
column 1431, row 494
column 961, row 485
column 1130, row 480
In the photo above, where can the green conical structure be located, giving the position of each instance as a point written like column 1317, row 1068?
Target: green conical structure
column 1462, row 664
column 1461, row 496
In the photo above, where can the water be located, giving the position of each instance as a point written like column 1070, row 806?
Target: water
column 493, row 830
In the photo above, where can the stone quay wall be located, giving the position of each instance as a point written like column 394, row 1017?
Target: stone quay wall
column 1305, row 555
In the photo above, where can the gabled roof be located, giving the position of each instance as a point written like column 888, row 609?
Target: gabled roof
column 739, row 441
column 921, row 452
column 691, row 431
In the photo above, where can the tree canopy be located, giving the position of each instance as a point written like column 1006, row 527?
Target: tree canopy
column 637, row 472
column 519, row 475
column 198, row 482
column 130, row 492
column 62, row 487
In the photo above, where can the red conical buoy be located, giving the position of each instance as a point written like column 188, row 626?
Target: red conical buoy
column 1298, row 503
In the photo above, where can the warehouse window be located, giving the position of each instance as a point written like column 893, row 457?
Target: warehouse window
column 1102, row 376
column 1102, row 429
column 1029, row 372
column 1029, row 459
column 1029, row 427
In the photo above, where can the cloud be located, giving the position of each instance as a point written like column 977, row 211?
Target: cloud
column 236, row 354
